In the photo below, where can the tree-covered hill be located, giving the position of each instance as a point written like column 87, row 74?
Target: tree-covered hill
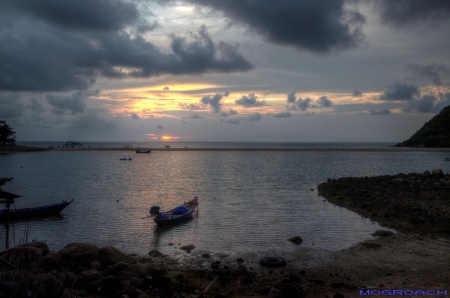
column 434, row 133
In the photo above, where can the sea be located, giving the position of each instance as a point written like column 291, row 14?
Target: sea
column 249, row 201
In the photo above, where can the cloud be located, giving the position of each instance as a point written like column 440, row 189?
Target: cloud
column 213, row 101
column 233, row 121
column 400, row 91
column 10, row 105
column 430, row 71
column 191, row 106
column 291, row 97
column 315, row 26
column 404, row 12
column 357, row 93
column 196, row 116
column 324, row 102
column 68, row 104
column 250, row 101
column 160, row 127
column 36, row 105
column 422, row 105
column 255, row 117
column 379, row 112
column 229, row 113
column 135, row 116
column 60, row 57
column 226, row 93
column 303, row 104
column 285, row 114
column 166, row 88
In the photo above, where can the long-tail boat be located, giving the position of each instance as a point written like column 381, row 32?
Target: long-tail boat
column 176, row 214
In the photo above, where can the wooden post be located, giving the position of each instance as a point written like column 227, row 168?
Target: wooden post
column 7, row 225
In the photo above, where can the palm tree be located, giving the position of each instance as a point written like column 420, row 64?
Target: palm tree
column 7, row 135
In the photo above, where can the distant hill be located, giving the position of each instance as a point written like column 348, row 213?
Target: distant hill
column 434, row 133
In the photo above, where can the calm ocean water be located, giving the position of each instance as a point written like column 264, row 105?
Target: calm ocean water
column 249, row 201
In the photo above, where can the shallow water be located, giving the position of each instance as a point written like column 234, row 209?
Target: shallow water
column 249, row 201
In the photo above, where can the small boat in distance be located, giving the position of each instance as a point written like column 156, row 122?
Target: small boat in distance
column 129, row 158
column 25, row 213
column 142, row 151
column 176, row 214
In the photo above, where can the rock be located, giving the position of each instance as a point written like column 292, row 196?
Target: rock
column 426, row 173
column 128, row 291
column 139, row 283
column 154, row 253
column 47, row 286
column 240, row 260
column 371, row 245
column 38, row 244
column 206, row 256
column 79, row 253
column 302, row 272
column 121, row 266
column 188, row 247
column 296, row 240
column 215, row 264
column 383, row 233
column 96, row 265
column 93, row 280
column 51, row 262
column 338, row 295
column 110, row 255
column 136, row 270
column 437, row 173
column 24, row 257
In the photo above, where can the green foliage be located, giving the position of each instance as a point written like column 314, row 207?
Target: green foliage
column 7, row 135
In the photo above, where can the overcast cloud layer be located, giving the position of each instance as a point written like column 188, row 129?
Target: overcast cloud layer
column 213, row 70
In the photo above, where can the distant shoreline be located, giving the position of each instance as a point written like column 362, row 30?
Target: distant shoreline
column 386, row 149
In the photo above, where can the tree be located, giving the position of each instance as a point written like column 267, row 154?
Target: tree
column 7, row 135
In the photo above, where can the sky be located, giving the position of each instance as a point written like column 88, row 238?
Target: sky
column 229, row 71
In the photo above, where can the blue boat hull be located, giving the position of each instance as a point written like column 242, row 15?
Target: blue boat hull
column 172, row 218
column 25, row 213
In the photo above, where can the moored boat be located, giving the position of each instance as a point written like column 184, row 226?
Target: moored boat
column 142, row 151
column 177, row 214
column 24, row 213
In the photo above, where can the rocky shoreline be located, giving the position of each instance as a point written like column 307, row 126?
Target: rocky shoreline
column 415, row 258
column 410, row 203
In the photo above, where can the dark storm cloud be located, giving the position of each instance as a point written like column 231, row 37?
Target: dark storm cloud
column 291, row 97
column 36, row 105
column 250, row 101
column 68, row 104
column 357, row 93
column 430, row 71
column 79, row 15
column 213, row 101
column 324, row 102
column 380, row 112
column 400, row 91
column 40, row 56
column 403, row 12
column 282, row 115
column 10, row 105
column 316, row 26
column 255, row 117
column 229, row 113
column 303, row 104
column 422, row 105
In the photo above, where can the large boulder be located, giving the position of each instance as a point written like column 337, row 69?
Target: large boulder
column 110, row 255
column 79, row 253
column 50, row 262
column 38, row 244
